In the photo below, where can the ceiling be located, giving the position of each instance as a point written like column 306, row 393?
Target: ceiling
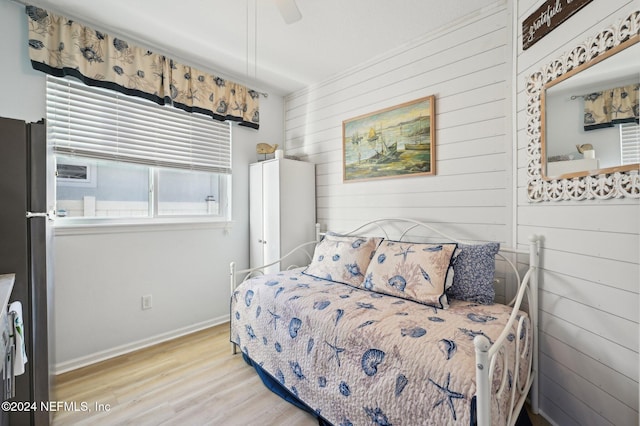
column 249, row 41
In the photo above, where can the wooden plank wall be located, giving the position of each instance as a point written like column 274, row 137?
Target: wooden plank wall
column 467, row 67
column 591, row 272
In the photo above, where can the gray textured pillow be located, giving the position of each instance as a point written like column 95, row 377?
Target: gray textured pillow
column 474, row 269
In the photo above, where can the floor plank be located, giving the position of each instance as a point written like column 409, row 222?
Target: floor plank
column 190, row 380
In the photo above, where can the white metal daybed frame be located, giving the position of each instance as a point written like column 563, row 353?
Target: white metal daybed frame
column 485, row 352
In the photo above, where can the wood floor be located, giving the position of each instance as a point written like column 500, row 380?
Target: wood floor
column 192, row 380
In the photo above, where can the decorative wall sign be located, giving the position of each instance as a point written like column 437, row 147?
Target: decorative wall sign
column 547, row 18
column 393, row 142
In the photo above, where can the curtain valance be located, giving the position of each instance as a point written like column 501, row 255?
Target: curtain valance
column 61, row 47
column 611, row 107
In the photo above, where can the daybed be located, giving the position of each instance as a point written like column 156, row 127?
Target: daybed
column 394, row 323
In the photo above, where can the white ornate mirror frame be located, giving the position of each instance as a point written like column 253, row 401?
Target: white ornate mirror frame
column 614, row 184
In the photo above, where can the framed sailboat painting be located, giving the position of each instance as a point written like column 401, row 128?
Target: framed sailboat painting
column 393, row 142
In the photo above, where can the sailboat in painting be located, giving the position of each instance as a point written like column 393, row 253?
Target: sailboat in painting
column 422, row 133
column 383, row 153
column 416, row 146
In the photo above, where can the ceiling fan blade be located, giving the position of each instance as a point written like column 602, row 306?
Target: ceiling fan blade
column 289, row 10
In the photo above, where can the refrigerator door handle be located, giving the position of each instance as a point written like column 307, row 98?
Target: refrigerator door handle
column 51, row 214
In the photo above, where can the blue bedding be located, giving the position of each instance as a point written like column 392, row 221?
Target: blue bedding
column 353, row 356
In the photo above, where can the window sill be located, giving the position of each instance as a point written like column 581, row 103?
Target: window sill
column 115, row 226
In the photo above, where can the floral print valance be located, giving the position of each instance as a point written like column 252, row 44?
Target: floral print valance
column 611, row 107
column 61, row 47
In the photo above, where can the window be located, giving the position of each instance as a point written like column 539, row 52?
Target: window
column 123, row 157
column 630, row 143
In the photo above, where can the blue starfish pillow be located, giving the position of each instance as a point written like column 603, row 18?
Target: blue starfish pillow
column 342, row 259
column 414, row 271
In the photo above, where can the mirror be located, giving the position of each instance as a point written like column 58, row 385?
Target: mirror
column 609, row 179
column 568, row 125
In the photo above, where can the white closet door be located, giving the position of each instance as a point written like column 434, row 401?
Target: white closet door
column 256, row 247
column 271, row 210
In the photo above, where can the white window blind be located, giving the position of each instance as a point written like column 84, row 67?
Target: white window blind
column 98, row 123
column 630, row 143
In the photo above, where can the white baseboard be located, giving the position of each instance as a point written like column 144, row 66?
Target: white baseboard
column 547, row 418
column 83, row 361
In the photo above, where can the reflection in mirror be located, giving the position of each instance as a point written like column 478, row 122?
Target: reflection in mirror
column 588, row 113
column 602, row 183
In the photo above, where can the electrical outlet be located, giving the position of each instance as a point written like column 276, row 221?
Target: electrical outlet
column 146, row 302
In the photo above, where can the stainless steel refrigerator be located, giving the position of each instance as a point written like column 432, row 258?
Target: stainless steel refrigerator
column 23, row 251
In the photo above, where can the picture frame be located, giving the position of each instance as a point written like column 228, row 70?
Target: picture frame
column 398, row 141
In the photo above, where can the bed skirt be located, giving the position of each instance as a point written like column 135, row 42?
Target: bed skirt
column 274, row 386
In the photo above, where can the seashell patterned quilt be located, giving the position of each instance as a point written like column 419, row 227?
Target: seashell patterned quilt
column 362, row 358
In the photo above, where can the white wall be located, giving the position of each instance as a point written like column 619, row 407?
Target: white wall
column 590, row 259
column 467, row 67
column 101, row 276
column 21, row 88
